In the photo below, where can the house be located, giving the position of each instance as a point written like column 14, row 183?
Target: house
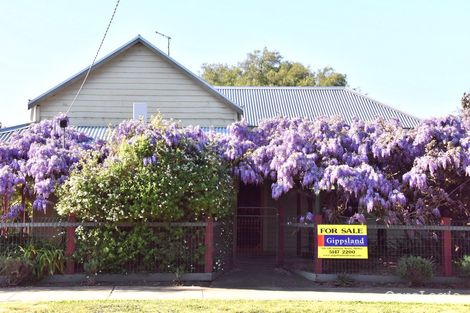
column 139, row 76
column 137, row 72
column 138, row 79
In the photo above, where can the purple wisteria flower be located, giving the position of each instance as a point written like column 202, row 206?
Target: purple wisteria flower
column 35, row 161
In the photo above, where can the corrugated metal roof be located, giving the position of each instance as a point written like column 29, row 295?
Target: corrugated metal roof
column 95, row 132
column 5, row 133
column 260, row 103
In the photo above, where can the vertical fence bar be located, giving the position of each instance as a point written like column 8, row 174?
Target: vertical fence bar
column 209, row 244
column 281, row 237
column 235, row 238
column 318, row 264
column 446, row 247
column 299, row 213
column 70, row 245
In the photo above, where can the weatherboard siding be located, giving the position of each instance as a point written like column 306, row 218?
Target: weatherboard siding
column 138, row 75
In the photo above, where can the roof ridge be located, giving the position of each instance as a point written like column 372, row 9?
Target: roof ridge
column 73, row 78
column 382, row 103
column 260, row 102
column 281, row 87
column 14, row 127
column 121, row 49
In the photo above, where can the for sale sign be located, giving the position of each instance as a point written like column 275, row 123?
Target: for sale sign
column 342, row 241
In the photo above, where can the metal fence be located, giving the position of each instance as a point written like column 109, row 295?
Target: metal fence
column 178, row 247
column 256, row 233
column 14, row 236
column 223, row 245
column 386, row 245
column 211, row 247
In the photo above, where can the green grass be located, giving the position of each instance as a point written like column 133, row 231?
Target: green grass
column 228, row 306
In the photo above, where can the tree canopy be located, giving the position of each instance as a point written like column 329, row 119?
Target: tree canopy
column 268, row 68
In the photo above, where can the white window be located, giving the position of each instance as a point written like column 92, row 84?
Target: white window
column 139, row 111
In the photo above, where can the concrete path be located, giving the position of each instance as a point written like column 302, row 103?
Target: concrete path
column 245, row 282
column 259, row 276
column 157, row 293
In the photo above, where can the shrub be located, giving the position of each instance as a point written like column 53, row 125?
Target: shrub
column 464, row 266
column 415, row 269
column 18, row 270
column 156, row 172
column 344, row 280
column 140, row 248
column 163, row 175
column 46, row 259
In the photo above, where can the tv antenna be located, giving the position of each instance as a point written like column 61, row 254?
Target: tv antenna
column 168, row 38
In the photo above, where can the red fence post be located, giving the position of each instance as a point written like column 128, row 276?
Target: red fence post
column 280, row 237
column 446, row 247
column 318, row 264
column 209, row 244
column 70, row 245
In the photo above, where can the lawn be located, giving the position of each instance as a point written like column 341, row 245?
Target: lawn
column 228, row 306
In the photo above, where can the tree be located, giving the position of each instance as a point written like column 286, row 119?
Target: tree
column 328, row 77
column 268, row 68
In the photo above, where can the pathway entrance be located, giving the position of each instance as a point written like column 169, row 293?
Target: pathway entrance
column 258, row 275
column 256, row 233
column 256, row 228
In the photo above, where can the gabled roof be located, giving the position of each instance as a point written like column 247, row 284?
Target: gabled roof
column 259, row 103
column 109, row 57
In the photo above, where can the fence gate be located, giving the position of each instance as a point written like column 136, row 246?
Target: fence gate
column 256, row 234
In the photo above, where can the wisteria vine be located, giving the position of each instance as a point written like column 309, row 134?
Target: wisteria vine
column 34, row 162
column 375, row 169
column 369, row 169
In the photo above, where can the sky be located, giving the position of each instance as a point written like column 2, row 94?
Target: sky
column 413, row 55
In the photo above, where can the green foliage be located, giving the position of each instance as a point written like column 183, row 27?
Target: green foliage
column 464, row 266
column 112, row 249
column 161, row 175
column 267, row 68
column 415, row 269
column 231, row 306
column 44, row 257
column 47, row 259
column 185, row 184
column 328, row 77
column 344, row 280
column 17, row 269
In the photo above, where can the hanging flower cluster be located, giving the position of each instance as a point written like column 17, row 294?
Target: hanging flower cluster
column 379, row 168
column 35, row 162
column 399, row 175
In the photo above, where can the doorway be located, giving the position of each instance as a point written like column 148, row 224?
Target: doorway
column 255, row 226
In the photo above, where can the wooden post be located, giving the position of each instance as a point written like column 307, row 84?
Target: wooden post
column 280, row 237
column 446, row 247
column 318, row 264
column 209, row 244
column 70, row 245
